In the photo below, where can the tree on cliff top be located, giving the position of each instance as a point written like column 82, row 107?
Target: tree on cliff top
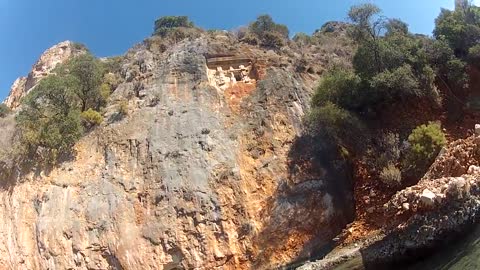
column 164, row 25
column 267, row 32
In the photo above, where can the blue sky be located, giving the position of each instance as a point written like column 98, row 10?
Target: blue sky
column 110, row 27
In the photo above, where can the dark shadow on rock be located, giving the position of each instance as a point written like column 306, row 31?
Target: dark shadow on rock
column 312, row 206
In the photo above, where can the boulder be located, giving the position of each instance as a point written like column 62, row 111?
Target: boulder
column 473, row 170
column 427, row 198
column 477, row 129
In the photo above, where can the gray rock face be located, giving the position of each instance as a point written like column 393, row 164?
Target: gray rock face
column 185, row 182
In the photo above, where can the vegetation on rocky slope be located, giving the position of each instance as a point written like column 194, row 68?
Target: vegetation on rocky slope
column 365, row 71
column 390, row 67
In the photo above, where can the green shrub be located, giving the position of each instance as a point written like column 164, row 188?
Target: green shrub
column 265, row 32
column 164, row 25
column 91, row 118
column 86, row 74
column 79, row 47
column 425, row 142
column 391, row 176
column 113, row 64
column 105, row 91
column 399, row 83
column 265, row 24
column 49, row 123
column 456, row 74
column 332, row 122
column 341, row 87
column 474, row 55
column 4, row 110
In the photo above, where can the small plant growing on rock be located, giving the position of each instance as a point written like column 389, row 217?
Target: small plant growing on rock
column 91, row 118
column 123, row 108
column 4, row 110
column 391, row 176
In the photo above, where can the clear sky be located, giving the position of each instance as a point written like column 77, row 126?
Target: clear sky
column 110, row 27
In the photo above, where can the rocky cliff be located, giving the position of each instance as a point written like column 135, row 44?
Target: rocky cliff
column 43, row 67
column 197, row 176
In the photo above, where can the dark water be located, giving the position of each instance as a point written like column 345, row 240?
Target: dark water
column 463, row 254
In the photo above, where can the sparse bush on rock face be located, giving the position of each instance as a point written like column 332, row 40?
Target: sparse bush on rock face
column 4, row 110
column 92, row 118
column 272, row 40
column 264, row 24
column 123, row 108
column 302, row 39
column 251, row 39
column 391, row 176
column 425, row 141
column 388, row 149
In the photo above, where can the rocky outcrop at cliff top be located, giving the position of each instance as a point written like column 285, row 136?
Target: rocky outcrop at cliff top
column 48, row 61
column 195, row 177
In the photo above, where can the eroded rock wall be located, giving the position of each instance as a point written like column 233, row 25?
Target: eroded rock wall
column 194, row 177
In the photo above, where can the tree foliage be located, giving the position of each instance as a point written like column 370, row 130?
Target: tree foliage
column 460, row 28
column 50, row 121
column 164, row 25
column 341, row 87
column 333, row 123
column 425, row 141
column 267, row 32
column 85, row 74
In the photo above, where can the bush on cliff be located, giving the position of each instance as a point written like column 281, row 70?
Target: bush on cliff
column 174, row 28
column 165, row 24
column 4, row 110
column 267, row 33
column 335, row 124
column 91, row 118
column 50, row 121
column 85, row 74
column 425, row 142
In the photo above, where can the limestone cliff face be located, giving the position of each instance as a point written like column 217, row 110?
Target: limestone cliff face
column 46, row 63
column 195, row 177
